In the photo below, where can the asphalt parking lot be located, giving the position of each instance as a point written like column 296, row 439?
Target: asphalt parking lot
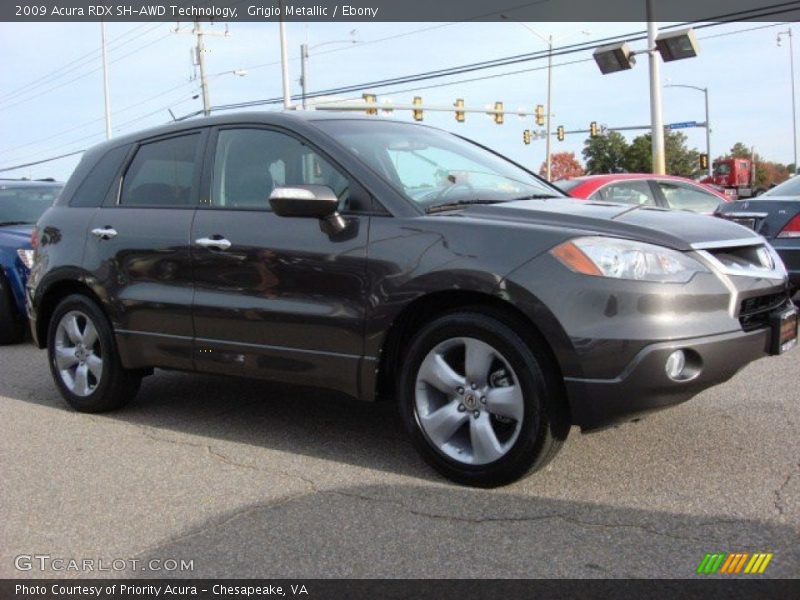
column 256, row 480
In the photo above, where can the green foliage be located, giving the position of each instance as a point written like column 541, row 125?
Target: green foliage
column 605, row 153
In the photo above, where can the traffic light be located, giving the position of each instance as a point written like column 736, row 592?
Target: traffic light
column 499, row 117
column 417, row 111
column 593, row 129
column 704, row 161
column 539, row 114
column 526, row 136
column 460, row 115
column 370, row 99
column 560, row 133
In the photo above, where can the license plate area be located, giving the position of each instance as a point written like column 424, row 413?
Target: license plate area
column 750, row 223
column 784, row 330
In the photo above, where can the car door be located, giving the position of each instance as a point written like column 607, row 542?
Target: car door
column 277, row 297
column 138, row 251
column 686, row 196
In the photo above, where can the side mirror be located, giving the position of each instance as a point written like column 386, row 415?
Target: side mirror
column 316, row 201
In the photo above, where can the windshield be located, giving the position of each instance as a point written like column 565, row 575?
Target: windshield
column 24, row 204
column 432, row 167
column 790, row 187
column 722, row 169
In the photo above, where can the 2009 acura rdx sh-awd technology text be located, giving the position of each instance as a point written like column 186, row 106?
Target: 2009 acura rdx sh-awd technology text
column 384, row 259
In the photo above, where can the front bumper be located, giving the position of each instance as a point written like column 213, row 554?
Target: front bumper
column 645, row 387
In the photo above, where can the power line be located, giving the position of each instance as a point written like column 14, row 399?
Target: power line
column 113, row 46
column 39, row 93
column 91, row 121
column 564, row 50
column 66, row 67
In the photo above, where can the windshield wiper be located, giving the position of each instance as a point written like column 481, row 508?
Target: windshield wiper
column 4, row 223
column 457, row 204
column 536, row 197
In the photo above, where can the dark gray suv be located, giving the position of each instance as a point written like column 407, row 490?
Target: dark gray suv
column 390, row 260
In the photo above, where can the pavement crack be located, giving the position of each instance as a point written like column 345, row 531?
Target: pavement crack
column 779, row 501
column 524, row 519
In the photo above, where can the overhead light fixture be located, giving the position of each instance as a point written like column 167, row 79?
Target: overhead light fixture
column 677, row 45
column 613, row 58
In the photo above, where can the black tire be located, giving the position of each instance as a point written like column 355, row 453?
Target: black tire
column 116, row 386
column 12, row 324
column 545, row 423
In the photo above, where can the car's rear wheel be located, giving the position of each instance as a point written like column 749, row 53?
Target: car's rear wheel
column 84, row 360
column 12, row 324
column 482, row 406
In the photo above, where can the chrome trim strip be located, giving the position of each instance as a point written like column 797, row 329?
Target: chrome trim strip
column 756, row 240
column 744, row 215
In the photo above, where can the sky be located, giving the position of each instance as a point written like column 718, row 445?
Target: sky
column 51, row 89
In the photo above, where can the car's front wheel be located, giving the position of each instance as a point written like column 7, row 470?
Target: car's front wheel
column 83, row 358
column 482, row 406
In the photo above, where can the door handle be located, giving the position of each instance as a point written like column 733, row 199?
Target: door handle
column 219, row 243
column 104, row 233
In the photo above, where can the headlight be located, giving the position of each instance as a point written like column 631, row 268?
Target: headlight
column 626, row 259
column 26, row 256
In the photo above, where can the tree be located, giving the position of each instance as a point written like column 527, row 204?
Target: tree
column 639, row 156
column 680, row 160
column 739, row 150
column 563, row 165
column 605, row 153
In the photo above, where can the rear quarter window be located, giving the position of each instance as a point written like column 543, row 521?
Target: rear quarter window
column 95, row 187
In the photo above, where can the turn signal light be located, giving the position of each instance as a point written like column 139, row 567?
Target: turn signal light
column 35, row 238
column 792, row 229
column 574, row 258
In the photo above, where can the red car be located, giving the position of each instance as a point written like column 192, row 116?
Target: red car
column 667, row 191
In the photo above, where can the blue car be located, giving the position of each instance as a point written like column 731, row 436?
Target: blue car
column 21, row 205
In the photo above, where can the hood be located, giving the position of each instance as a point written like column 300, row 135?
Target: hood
column 16, row 235
column 672, row 228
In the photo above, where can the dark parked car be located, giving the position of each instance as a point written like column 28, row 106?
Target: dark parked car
column 392, row 260
column 775, row 215
column 21, row 204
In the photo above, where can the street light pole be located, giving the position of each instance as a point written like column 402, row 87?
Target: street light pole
column 794, row 103
column 708, row 120
column 656, row 115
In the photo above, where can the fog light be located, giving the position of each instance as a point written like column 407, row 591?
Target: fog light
column 676, row 363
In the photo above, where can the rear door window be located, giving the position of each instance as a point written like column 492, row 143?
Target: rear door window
column 163, row 173
column 687, row 197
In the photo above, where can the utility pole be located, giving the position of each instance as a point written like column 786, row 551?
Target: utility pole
column 656, row 116
column 106, row 98
column 287, row 94
column 200, row 58
column 201, row 62
column 304, row 73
